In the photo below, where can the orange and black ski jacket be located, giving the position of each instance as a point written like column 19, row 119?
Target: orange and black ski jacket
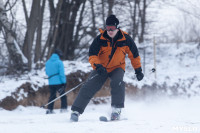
column 111, row 52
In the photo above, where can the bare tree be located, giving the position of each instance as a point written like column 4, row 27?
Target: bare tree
column 47, row 47
column 38, row 46
column 93, row 29
column 77, row 37
column 137, row 9
column 188, row 26
column 18, row 60
column 63, row 28
column 103, row 12
column 143, row 21
column 187, row 6
column 30, row 32
column 110, row 6
column 134, row 9
column 66, row 28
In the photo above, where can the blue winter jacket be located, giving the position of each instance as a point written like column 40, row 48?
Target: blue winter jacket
column 55, row 70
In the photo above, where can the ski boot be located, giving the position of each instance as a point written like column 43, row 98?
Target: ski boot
column 50, row 111
column 74, row 116
column 63, row 110
column 115, row 115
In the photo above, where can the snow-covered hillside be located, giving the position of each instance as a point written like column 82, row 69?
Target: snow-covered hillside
column 177, row 71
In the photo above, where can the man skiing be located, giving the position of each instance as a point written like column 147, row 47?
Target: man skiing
column 57, row 80
column 107, row 57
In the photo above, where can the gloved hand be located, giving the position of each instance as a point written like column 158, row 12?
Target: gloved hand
column 62, row 88
column 101, row 70
column 139, row 74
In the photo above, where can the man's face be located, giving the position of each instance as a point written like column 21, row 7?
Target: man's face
column 112, row 31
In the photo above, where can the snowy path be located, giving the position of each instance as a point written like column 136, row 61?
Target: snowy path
column 158, row 116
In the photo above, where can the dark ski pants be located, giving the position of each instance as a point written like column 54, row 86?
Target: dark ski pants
column 94, row 84
column 53, row 89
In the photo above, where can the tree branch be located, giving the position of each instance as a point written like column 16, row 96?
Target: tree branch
column 25, row 11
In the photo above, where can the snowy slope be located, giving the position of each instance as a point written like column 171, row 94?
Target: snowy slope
column 159, row 116
column 177, row 69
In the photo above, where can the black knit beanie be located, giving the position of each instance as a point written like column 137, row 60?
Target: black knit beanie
column 112, row 20
column 59, row 53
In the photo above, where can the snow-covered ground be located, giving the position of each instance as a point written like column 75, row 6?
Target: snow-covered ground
column 176, row 67
column 150, row 116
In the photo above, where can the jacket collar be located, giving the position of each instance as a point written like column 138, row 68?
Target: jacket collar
column 118, row 37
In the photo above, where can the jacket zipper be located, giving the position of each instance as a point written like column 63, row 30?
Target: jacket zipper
column 113, row 47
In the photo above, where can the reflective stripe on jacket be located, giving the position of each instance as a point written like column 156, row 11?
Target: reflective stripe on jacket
column 111, row 52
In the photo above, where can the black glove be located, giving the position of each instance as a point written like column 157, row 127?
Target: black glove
column 62, row 88
column 101, row 70
column 139, row 74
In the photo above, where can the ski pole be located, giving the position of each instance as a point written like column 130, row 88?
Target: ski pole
column 67, row 92
column 152, row 70
column 62, row 95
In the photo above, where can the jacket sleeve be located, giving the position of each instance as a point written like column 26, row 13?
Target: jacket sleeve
column 133, row 53
column 46, row 70
column 62, row 72
column 94, row 51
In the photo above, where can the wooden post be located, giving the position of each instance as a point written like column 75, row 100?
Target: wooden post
column 144, row 59
column 154, row 44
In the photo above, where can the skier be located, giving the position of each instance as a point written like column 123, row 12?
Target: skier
column 107, row 57
column 57, row 80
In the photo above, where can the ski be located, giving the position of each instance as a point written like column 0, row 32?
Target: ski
column 105, row 119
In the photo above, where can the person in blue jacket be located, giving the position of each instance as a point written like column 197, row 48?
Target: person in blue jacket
column 57, row 80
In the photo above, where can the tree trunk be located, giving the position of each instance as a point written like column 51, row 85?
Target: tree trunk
column 135, row 26
column 110, row 6
column 31, row 28
column 25, row 11
column 93, row 30
column 77, row 38
column 72, row 20
column 103, row 13
column 64, row 27
column 47, row 46
column 18, row 60
column 55, row 18
column 39, row 33
column 143, row 22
